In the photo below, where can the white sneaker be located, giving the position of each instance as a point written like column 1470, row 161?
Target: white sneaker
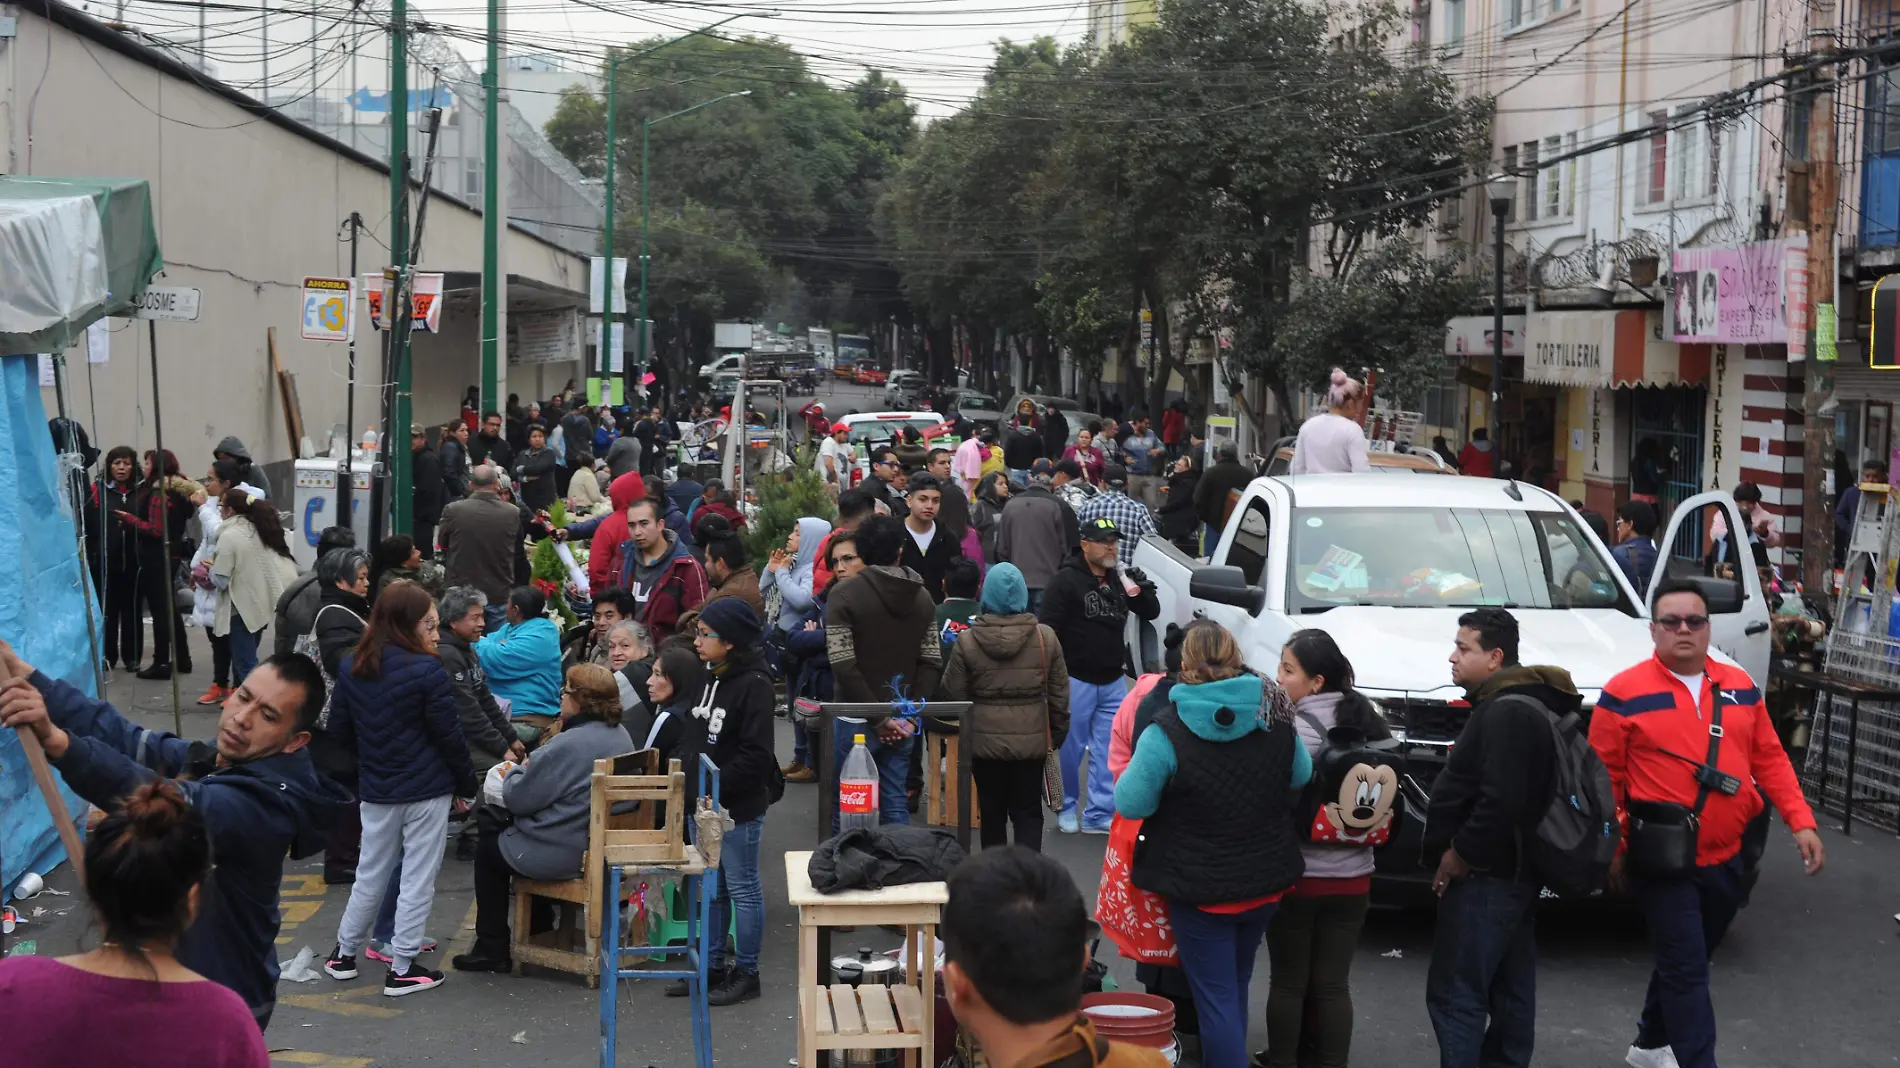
column 1660, row 1057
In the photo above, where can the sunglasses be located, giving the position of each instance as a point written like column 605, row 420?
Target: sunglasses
column 1692, row 623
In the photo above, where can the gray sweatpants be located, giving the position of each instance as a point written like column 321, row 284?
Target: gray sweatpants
column 412, row 835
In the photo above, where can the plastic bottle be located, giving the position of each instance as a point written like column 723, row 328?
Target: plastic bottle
column 857, row 788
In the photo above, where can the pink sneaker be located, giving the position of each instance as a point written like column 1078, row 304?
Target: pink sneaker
column 381, row 954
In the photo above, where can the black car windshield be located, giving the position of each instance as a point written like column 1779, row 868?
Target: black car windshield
column 1445, row 558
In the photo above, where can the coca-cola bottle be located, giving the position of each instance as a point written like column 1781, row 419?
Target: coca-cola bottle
column 857, row 788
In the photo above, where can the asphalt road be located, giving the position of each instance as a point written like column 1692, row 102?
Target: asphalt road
column 1807, row 976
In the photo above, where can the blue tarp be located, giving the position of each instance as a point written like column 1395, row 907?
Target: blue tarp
column 44, row 599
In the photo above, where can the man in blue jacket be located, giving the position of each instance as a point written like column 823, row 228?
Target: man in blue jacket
column 523, row 663
column 260, row 796
column 1635, row 549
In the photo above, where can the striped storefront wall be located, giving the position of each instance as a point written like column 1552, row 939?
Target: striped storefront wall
column 1771, row 440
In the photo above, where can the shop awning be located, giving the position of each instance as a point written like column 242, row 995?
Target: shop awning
column 1609, row 349
column 72, row 250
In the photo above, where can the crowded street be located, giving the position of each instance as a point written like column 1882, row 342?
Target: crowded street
column 1805, row 977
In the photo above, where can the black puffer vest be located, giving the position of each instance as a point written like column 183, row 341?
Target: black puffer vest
column 1222, row 832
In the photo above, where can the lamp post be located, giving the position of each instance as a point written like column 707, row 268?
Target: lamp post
column 646, row 132
column 1502, row 189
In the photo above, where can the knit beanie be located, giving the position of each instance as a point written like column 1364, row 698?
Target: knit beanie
column 1005, row 593
column 733, row 620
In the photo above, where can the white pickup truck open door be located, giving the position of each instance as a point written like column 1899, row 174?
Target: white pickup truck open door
column 1738, row 605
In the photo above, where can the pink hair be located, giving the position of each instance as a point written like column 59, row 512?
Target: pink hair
column 1342, row 389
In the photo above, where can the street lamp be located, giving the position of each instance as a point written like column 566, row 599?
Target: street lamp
column 646, row 132
column 1502, row 189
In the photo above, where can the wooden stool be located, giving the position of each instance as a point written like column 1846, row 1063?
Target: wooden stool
column 871, row 1016
column 624, row 838
column 939, row 754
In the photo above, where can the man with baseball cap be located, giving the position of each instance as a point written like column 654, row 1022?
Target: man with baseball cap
column 1130, row 516
column 1087, row 605
column 1036, row 531
column 834, row 460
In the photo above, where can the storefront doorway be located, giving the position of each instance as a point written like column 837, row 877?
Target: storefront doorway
column 1666, row 435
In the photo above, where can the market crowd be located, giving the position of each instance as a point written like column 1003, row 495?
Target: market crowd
column 434, row 677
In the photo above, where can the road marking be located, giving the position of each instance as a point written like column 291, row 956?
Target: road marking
column 304, row 886
column 344, row 1004
column 464, row 938
column 296, row 912
column 318, row 1060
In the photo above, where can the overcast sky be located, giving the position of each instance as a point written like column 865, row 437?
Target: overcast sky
column 937, row 48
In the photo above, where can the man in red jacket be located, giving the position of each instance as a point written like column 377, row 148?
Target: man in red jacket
column 608, row 532
column 1655, row 727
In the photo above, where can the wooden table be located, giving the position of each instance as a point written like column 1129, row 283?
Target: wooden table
column 871, row 1016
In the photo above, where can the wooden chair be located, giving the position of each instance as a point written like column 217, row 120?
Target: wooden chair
column 642, row 834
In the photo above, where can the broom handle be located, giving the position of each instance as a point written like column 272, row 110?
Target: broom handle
column 49, row 792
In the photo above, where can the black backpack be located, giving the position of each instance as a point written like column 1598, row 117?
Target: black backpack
column 1353, row 797
column 1578, row 835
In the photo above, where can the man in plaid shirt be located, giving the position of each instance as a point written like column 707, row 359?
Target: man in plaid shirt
column 1129, row 515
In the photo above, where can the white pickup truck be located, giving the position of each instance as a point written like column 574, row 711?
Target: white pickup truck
column 1387, row 562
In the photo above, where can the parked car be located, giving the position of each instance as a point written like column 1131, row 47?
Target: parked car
column 903, row 388
column 871, row 376
column 731, row 361
column 979, row 408
column 1386, row 562
column 881, row 428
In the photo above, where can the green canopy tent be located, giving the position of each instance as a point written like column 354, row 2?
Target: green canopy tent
column 72, row 250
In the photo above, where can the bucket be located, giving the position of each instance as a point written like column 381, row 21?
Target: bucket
column 1136, row 1018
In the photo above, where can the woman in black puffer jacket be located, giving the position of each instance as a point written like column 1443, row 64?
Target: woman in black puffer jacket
column 393, row 702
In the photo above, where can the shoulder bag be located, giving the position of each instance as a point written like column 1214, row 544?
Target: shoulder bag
column 1662, row 834
column 1051, row 758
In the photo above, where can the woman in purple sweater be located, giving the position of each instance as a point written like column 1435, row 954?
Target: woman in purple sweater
column 146, row 863
column 1311, row 940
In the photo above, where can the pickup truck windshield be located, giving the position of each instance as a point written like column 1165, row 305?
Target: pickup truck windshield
column 1444, row 558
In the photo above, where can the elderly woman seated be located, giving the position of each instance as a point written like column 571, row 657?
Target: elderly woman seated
column 540, row 829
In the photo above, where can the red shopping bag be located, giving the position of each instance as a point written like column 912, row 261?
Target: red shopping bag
column 1132, row 918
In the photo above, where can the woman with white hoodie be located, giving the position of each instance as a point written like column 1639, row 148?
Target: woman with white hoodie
column 204, row 592
column 1312, row 938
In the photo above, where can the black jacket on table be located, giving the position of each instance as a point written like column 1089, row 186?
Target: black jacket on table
column 1088, row 613
column 1497, row 780
column 930, row 564
column 732, row 723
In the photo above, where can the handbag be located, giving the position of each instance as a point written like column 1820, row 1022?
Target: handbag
column 1662, row 834
column 1051, row 758
column 1136, row 920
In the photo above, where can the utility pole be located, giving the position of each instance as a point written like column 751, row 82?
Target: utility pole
column 346, row 466
column 492, row 221
column 389, row 493
column 610, row 294
column 1817, row 523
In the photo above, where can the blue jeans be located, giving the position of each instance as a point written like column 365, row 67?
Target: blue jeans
column 893, row 770
column 1217, row 954
column 1484, row 963
column 1091, row 718
column 493, row 616
column 1035, row 601
column 1687, row 918
column 1019, row 476
column 243, row 649
column 740, row 889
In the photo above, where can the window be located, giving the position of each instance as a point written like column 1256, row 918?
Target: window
column 472, row 179
column 1442, row 407
column 1527, row 158
column 1454, row 25
column 1249, row 548
column 1655, row 177
column 1554, row 183
column 1691, row 162
column 1451, row 220
column 1517, row 13
column 1444, row 558
column 1510, row 167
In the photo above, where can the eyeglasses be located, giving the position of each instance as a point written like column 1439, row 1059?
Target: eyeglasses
column 843, row 558
column 1691, row 623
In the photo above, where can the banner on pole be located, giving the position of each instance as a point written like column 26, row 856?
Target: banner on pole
column 425, row 308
